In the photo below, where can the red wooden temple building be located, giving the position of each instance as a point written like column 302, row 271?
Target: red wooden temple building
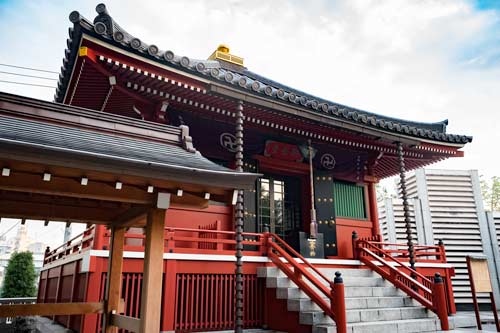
column 266, row 259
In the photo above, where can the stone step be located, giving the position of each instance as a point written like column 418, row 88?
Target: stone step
column 379, row 302
column 328, row 272
column 279, row 282
column 315, row 317
column 388, row 314
column 348, row 272
column 287, row 292
column 394, row 326
column 256, row 330
column 372, row 291
column 290, row 293
column 355, row 281
column 283, row 281
column 305, row 304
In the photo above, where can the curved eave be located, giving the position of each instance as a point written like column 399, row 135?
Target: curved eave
column 217, row 76
column 30, row 152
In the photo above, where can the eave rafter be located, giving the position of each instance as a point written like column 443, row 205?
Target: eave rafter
column 66, row 198
column 155, row 88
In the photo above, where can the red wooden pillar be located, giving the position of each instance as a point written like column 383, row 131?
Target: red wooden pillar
column 99, row 231
column 169, row 295
column 94, row 277
column 373, row 210
column 439, row 301
column 338, row 303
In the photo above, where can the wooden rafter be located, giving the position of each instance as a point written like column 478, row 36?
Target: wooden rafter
column 68, row 187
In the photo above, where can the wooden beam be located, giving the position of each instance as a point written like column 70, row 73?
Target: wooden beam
column 190, row 200
column 49, row 309
column 68, row 187
column 131, row 324
column 54, row 212
column 135, row 216
column 114, row 282
column 153, row 272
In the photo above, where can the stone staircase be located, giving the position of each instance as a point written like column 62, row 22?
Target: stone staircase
column 372, row 304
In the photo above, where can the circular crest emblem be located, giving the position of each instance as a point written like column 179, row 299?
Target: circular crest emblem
column 228, row 141
column 328, row 161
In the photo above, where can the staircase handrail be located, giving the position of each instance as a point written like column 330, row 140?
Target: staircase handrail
column 436, row 300
column 400, row 263
column 392, row 277
column 281, row 253
column 294, row 253
column 419, row 250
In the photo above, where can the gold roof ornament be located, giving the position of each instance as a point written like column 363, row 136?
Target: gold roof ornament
column 223, row 53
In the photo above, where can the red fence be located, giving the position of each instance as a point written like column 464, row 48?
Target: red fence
column 131, row 294
column 205, row 302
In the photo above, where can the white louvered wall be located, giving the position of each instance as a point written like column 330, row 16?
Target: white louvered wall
column 454, row 215
column 382, row 219
column 496, row 221
column 391, row 220
column 399, row 220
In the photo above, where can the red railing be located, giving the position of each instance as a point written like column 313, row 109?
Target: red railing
column 186, row 240
column 384, row 261
column 318, row 287
column 74, row 245
column 201, row 234
column 206, row 239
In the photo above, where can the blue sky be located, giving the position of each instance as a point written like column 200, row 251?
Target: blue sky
column 487, row 4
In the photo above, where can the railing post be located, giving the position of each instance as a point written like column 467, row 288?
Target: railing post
column 47, row 251
column 355, row 245
column 170, row 241
column 337, row 303
column 442, row 251
column 265, row 243
column 439, row 301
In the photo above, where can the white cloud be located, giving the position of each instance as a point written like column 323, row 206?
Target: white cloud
column 421, row 60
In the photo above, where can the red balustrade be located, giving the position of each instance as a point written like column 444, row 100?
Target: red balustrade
column 285, row 258
column 383, row 259
column 75, row 245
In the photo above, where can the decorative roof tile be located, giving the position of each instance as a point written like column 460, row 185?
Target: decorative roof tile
column 105, row 28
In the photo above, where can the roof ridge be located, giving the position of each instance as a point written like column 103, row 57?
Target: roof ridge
column 106, row 28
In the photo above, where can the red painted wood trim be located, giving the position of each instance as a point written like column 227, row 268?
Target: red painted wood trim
column 373, row 209
column 354, row 223
column 283, row 167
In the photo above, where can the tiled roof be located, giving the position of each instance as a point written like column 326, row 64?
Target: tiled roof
column 105, row 28
column 108, row 139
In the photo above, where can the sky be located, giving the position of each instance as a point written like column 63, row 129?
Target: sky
column 423, row 60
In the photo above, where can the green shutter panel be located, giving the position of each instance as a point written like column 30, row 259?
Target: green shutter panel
column 350, row 200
